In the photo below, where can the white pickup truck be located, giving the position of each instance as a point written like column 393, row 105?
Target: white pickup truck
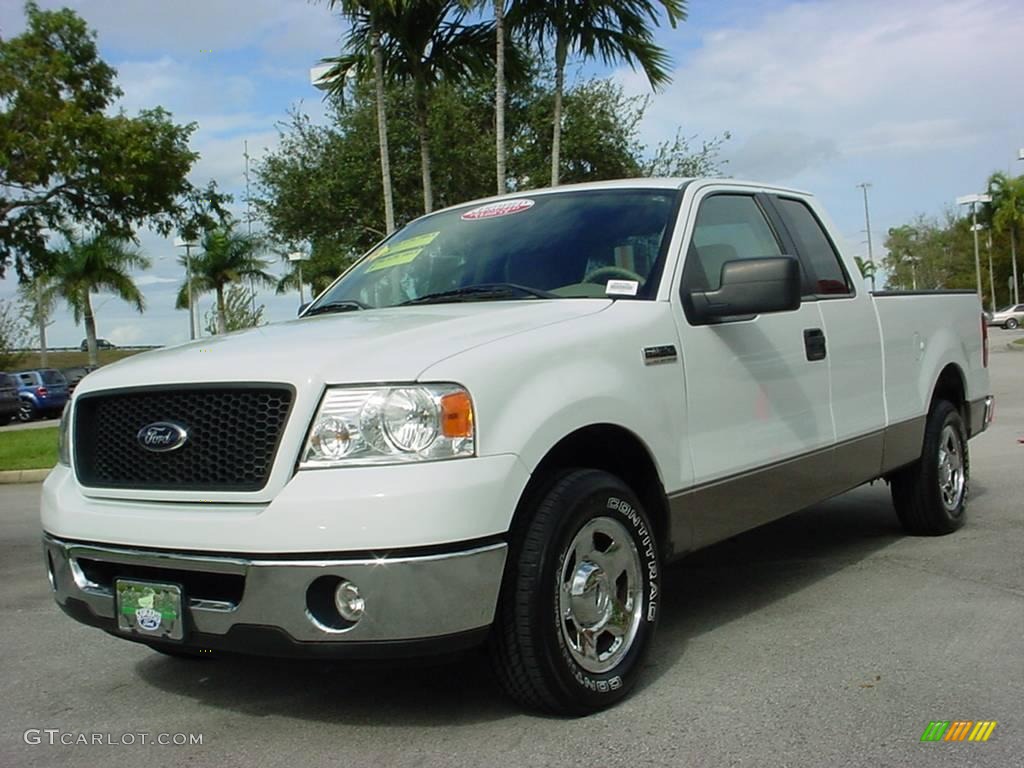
column 497, row 428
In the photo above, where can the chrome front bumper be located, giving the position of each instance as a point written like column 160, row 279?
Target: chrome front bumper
column 408, row 598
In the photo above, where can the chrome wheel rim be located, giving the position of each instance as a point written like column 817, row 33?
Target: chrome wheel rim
column 600, row 594
column 25, row 412
column 951, row 469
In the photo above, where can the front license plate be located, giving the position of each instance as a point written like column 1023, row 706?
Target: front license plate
column 149, row 609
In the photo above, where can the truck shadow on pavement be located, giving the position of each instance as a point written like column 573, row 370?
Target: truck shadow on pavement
column 711, row 588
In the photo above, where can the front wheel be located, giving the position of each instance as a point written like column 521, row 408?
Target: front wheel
column 930, row 495
column 579, row 604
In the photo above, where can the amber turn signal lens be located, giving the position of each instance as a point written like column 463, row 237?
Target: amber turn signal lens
column 457, row 415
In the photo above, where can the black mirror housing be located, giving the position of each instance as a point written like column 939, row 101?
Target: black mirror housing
column 750, row 287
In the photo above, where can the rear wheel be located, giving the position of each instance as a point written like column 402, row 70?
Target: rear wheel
column 1011, row 324
column 930, row 495
column 27, row 411
column 579, row 604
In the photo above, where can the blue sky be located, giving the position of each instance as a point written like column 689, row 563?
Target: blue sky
column 922, row 99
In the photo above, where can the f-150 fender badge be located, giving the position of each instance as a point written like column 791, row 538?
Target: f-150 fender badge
column 665, row 353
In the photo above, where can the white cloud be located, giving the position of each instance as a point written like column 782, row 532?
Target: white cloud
column 845, row 78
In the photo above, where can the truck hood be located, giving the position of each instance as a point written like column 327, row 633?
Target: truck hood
column 393, row 344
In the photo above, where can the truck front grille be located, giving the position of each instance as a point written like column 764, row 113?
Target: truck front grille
column 232, row 437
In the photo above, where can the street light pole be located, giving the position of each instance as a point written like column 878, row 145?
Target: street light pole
column 973, row 200
column 867, row 224
column 188, row 245
column 991, row 275
column 297, row 257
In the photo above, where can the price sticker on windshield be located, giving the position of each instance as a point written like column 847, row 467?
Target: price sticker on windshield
column 400, row 253
column 494, row 210
column 621, row 288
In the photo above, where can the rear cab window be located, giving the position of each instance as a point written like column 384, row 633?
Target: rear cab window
column 817, row 251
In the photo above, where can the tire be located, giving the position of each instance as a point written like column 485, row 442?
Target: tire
column 27, row 411
column 1011, row 324
column 583, row 526
column 931, row 494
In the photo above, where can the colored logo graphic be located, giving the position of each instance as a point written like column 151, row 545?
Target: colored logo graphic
column 958, row 730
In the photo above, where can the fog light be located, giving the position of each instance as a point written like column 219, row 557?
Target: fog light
column 348, row 601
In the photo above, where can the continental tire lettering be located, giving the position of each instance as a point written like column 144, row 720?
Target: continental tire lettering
column 647, row 543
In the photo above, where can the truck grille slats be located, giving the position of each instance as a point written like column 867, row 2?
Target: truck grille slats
column 232, row 437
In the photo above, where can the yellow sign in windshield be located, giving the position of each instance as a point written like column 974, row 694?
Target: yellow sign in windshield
column 400, row 253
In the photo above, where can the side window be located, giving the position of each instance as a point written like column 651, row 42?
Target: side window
column 26, row 378
column 815, row 246
column 728, row 228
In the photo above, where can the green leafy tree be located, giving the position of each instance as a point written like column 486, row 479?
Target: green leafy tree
column 227, row 257
column 91, row 264
column 13, row 335
column 240, row 310
column 320, row 185
column 612, row 30
column 66, row 161
column 1008, row 217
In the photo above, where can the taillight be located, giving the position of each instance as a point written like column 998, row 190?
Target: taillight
column 42, row 391
column 984, row 340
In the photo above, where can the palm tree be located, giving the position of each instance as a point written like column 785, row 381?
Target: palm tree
column 228, row 257
column 99, row 262
column 499, row 92
column 1008, row 213
column 613, row 30
column 425, row 42
column 366, row 19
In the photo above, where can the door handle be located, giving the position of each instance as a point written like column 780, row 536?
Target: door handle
column 814, row 344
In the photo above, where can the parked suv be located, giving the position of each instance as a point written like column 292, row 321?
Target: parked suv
column 43, row 393
column 1010, row 317
column 10, row 403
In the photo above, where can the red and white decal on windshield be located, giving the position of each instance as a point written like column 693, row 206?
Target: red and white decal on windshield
column 494, row 210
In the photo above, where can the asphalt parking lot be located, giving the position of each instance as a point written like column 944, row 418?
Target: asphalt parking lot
column 827, row 638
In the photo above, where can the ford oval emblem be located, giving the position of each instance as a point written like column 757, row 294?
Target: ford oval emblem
column 162, row 436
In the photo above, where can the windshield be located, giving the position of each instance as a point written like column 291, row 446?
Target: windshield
column 567, row 245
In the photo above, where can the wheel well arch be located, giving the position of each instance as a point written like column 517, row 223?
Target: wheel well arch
column 950, row 386
column 613, row 449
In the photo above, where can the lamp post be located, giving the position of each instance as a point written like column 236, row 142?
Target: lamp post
column 188, row 245
column 991, row 274
column 867, row 226
column 296, row 258
column 973, row 200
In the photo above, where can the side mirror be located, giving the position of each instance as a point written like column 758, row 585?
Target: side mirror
column 750, row 287
column 302, row 308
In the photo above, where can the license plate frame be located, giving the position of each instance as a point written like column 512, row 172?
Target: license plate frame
column 154, row 610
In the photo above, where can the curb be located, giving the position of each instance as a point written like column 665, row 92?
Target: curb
column 1013, row 346
column 9, row 477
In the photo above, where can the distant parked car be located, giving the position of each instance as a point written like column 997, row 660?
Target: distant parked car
column 75, row 374
column 42, row 393
column 10, row 403
column 1010, row 317
column 100, row 344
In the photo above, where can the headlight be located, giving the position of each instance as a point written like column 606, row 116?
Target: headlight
column 63, row 444
column 390, row 425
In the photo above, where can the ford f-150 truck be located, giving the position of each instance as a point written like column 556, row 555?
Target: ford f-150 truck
column 500, row 424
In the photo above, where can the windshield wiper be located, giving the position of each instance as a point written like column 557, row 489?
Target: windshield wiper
column 482, row 292
column 342, row 305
